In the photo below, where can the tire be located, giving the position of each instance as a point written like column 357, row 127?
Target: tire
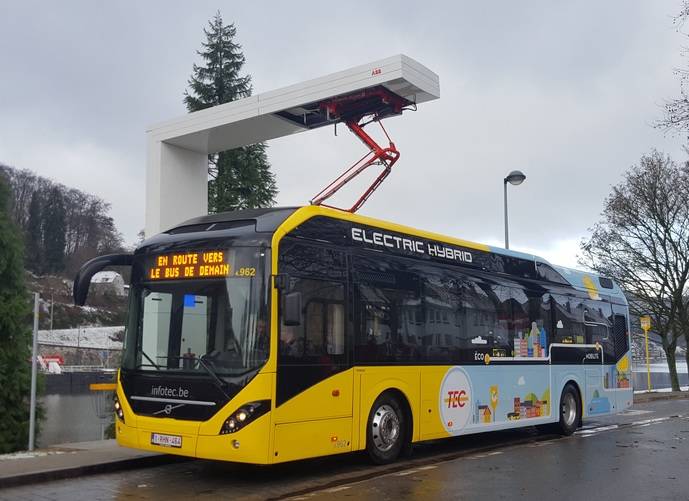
column 386, row 429
column 569, row 410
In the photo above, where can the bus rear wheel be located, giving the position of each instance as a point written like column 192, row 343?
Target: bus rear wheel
column 385, row 429
column 570, row 410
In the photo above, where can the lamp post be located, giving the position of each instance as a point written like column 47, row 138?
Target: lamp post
column 516, row 177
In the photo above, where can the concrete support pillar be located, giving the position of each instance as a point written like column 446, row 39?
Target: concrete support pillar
column 176, row 185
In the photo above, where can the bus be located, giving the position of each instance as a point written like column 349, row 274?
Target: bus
column 271, row 335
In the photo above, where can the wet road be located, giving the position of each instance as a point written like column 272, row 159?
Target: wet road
column 646, row 460
column 641, row 454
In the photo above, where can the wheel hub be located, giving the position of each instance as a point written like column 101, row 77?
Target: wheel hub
column 385, row 428
column 568, row 409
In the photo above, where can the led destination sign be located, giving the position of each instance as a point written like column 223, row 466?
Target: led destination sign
column 185, row 265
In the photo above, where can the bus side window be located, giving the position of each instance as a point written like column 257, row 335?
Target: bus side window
column 312, row 261
column 335, row 329
column 314, row 323
column 598, row 326
column 388, row 331
column 321, row 334
column 597, row 333
column 620, row 341
column 482, row 314
column 323, row 323
column 391, row 319
column 377, row 324
column 532, row 330
column 569, row 319
column 546, row 315
column 442, row 332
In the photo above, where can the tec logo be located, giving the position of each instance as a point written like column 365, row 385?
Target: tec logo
column 455, row 400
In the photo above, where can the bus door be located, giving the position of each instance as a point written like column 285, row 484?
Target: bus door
column 313, row 413
column 598, row 376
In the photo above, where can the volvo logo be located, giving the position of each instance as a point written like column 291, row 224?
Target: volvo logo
column 168, row 409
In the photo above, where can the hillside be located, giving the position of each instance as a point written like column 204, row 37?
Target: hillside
column 100, row 311
column 62, row 227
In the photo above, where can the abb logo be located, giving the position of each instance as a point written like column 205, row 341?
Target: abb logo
column 376, row 71
column 456, row 398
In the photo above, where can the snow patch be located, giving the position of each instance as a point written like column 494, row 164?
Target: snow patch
column 662, row 390
column 104, row 338
column 105, row 277
column 660, row 367
column 28, row 455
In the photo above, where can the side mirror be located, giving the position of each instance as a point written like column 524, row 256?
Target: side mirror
column 83, row 278
column 291, row 311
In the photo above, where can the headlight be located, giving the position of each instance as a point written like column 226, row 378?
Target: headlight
column 244, row 415
column 118, row 408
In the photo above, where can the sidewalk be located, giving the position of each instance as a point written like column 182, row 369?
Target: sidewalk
column 641, row 397
column 74, row 460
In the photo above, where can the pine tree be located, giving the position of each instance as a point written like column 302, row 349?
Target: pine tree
column 15, row 373
column 34, row 235
column 239, row 178
column 54, row 229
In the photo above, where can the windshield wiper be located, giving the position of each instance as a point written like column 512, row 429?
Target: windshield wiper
column 223, row 384
column 150, row 360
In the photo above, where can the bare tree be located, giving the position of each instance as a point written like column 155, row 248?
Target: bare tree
column 88, row 230
column 677, row 109
column 642, row 242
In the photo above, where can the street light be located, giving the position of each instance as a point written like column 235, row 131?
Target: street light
column 516, row 177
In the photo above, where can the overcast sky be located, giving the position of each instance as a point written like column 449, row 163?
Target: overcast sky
column 565, row 91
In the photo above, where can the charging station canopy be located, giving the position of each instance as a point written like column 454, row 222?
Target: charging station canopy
column 178, row 149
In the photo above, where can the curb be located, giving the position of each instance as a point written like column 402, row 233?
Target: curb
column 91, row 469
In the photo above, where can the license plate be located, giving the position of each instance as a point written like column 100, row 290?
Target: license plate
column 166, row 440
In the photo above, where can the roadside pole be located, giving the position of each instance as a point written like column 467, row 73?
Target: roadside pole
column 34, row 355
column 646, row 326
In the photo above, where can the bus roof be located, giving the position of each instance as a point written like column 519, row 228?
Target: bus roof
column 270, row 219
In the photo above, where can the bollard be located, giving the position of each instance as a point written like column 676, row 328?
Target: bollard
column 34, row 354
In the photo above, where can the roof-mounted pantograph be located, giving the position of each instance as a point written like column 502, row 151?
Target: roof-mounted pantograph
column 176, row 180
column 356, row 111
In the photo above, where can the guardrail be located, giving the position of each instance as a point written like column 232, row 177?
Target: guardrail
column 87, row 368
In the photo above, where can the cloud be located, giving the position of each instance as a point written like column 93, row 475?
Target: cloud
column 565, row 94
column 521, row 381
column 90, row 168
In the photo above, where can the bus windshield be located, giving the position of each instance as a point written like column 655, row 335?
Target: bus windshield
column 199, row 311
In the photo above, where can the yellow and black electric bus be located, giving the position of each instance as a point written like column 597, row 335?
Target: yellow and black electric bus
column 272, row 335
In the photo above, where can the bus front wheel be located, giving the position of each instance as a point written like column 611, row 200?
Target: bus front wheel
column 570, row 410
column 385, row 430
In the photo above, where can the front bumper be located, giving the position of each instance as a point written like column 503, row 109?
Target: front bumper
column 251, row 444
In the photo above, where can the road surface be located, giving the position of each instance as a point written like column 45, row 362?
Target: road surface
column 641, row 454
